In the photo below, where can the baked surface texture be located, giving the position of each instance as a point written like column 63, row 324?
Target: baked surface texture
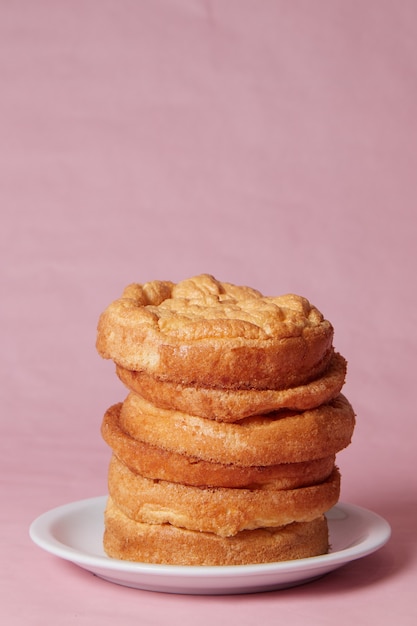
column 221, row 511
column 224, row 449
column 283, row 437
column 232, row 405
column 155, row 462
column 201, row 331
column 166, row 544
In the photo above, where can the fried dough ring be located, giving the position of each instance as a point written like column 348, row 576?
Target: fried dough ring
column 204, row 332
column 282, row 437
column 232, row 405
column 222, row 511
column 153, row 462
column 166, row 544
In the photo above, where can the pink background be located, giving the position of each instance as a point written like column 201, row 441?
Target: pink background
column 268, row 143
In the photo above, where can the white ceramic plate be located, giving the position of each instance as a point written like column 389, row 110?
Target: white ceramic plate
column 74, row 532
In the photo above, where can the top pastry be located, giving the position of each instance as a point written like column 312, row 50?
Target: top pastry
column 208, row 333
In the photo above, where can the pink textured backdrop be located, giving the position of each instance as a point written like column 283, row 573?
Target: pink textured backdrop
column 268, row 143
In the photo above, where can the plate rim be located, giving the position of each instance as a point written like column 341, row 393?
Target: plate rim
column 40, row 532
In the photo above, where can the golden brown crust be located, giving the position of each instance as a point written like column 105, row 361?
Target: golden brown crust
column 282, row 437
column 224, row 450
column 232, row 405
column 204, row 332
column 165, row 544
column 222, row 511
column 154, row 462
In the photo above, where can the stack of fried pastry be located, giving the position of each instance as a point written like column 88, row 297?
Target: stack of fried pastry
column 223, row 451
